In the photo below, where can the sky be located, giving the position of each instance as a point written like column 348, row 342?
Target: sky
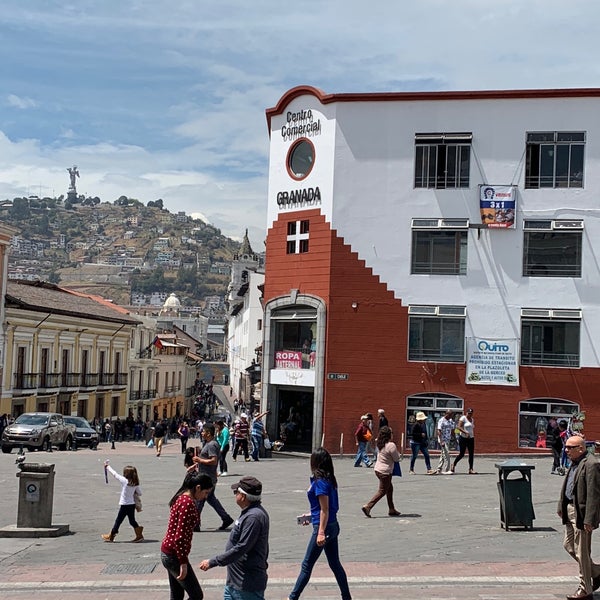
column 154, row 99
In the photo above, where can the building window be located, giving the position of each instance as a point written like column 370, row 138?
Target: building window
column 554, row 159
column 542, row 415
column 436, row 333
column 552, row 248
column 295, row 337
column 439, row 246
column 297, row 236
column 442, row 160
column 301, row 159
column 550, row 337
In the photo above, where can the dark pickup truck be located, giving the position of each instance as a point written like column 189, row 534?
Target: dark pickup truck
column 38, row 431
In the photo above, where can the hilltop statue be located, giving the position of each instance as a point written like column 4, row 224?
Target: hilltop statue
column 73, row 172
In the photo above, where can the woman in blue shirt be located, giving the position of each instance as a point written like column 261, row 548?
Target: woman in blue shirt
column 324, row 506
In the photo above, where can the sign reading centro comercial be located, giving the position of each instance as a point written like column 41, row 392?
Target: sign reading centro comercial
column 492, row 361
column 301, row 123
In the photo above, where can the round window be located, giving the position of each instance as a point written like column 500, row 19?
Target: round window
column 301, row 159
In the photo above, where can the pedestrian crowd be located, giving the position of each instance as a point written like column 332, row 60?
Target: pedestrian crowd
column 246, row 552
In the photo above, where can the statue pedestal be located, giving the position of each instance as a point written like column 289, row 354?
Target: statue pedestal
column 72, row 196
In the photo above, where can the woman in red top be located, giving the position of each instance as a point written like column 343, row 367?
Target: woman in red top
column 176, row 545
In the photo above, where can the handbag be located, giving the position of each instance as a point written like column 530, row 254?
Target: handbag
column 397, row 471
column 138, row 502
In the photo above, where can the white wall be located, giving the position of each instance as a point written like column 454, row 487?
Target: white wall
column 364, row 167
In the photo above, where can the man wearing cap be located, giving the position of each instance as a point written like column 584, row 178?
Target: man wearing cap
column 579, row 509
column 362, row 435
column 247, row 549
column 420, row 441
column 240, row 435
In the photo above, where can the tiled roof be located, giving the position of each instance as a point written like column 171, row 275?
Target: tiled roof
column 47, row 297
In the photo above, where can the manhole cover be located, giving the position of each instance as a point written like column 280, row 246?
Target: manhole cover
column 128, row 568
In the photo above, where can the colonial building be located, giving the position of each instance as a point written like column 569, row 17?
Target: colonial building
column 432, row 250
column 64, row 352
column 244, row 331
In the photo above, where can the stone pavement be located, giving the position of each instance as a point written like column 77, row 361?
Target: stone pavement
column 448, row 543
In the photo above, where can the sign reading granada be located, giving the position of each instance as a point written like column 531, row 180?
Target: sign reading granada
column 288, row 359
column 299, row 198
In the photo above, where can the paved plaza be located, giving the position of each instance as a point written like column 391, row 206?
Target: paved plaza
column 448, row 543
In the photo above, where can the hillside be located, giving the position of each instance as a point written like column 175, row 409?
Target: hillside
column 117, row 249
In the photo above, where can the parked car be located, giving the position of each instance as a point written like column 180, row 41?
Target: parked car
column 85, row 435
column 38, row 431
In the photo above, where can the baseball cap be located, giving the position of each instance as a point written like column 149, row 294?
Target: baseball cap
column 248, row 485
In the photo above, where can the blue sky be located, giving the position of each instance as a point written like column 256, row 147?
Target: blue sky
column 155, row 99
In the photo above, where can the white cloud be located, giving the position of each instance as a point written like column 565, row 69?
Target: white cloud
column 21, row 103
column 167, row 100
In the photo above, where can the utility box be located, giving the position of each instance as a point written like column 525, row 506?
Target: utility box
column 514, row 489
column 36, row 495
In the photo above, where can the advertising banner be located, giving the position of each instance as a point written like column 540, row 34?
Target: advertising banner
column 497, row 204
column 492, row 361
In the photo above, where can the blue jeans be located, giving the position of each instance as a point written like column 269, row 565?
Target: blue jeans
column 415, row 447
column 256, row 442
column 189, row 584
column 313, row 552
column 230, row 593
column 361, row 455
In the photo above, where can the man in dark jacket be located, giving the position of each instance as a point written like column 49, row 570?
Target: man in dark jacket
column 247, row 550
column 579, row 508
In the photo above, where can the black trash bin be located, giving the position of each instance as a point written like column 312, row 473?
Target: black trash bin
column 516, row 506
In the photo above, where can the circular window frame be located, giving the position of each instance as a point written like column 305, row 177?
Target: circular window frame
column 288, row 159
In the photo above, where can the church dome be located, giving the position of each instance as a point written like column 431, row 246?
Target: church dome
column 172, row 302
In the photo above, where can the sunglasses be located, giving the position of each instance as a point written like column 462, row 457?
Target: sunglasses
column 572, row 447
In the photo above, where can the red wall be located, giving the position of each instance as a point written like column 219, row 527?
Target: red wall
column 369, row 343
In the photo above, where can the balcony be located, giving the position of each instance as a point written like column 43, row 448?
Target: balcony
column 89, row 380
column 70, row 380
column 121, row 379
column 49, row 380
column 26, row 381
column 106, row 379
column 142, row 395
column 44, row 381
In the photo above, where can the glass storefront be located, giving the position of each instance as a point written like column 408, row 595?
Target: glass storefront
column 538, row 418
column 295, row 342
column 434, row 405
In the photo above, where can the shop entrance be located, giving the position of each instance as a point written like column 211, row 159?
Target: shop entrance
column 295, row 419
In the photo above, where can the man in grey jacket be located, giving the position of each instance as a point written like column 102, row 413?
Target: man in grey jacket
column 247, row 549
column 579, row 509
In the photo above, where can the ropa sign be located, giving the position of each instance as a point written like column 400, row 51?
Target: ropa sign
column 288, row 359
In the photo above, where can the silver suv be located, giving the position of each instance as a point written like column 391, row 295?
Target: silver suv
column 38, row 431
